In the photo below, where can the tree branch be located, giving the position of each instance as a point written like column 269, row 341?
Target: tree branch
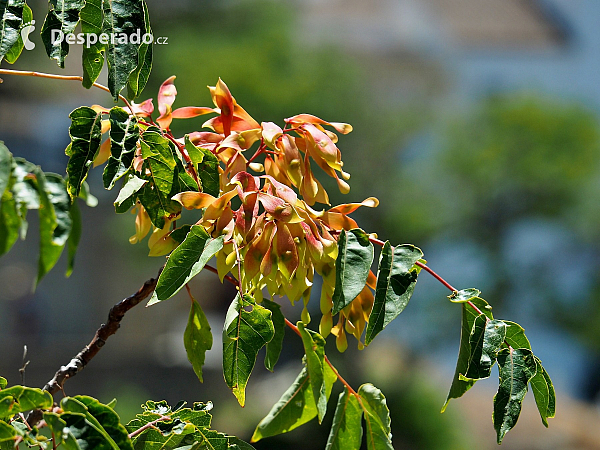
column 79, row 361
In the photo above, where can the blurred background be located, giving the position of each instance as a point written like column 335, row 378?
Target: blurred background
column 475, row 124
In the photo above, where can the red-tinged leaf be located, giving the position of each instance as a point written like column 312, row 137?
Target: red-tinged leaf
column 343, row 128
column 339, row 221
column 224, row 101
column 323, row 147
column 240, row 140
column 205, row 139
column 187, row 112
column 270, row 133
column 286, row 251
column 144, row 109
column 194, row 200
column 166, row 95
column 348, row 208
column 281, row 190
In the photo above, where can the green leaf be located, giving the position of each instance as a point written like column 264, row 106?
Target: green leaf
column 74, row 237
column 139, row 77
column 6, row 167
column 275, row 345
column 487, row 336
column 3, row 383
column 377, row 418
column 314, row 347
column 16, row 50
column 91, row 17
column 237, row 444
column 128, row 193
column 543, row 391
column 17, row 399
column 295, row 407
column 355, row 256
column 459, row 387
column 102, row 419
column 7, row 433
column 515, row 335
column 346, row 430
column 245, row 332
column 55, row 219
column 122, row 18
column 160, row 162
column 516, row 367
column 62, row 18
column 186, row 262
column 10, row 222
column 464, row 295
column 197, row 338
column 124, row 135
column 207, row 166
column 85, row 132
column 11, row 19
column 396, row 282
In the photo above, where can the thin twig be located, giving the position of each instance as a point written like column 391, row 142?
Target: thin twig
column 27, row 73
column 116, row 314
column 344, row 382
column 148, row 425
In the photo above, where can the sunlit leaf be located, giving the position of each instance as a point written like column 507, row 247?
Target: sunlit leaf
column 139, row 77
column 464, row 295
column 7, row 433
column 517, row 367
column 515, row 335
column 207, row 166
column 543, row 391
column 377, row 418
column 16, row 50
column 355, row 256
column 395, row 285
column 487, row 336
column 186, row 262
column 122, row 18
column 11, row 18
column 61, row 20
column 99, row 417
column 91, row 17
column 124, row 135
column 197, row 338
column 85, row 134
column 160, row 162
column 17, row 399
column 128, row 193
column 346, row 430
column 245, row 332
column 459, row 387
column 295, row 407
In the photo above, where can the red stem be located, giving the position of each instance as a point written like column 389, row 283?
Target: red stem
column 344, row 382
column 433, row 274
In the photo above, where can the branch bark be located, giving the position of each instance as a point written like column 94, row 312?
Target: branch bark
column 79, row 361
